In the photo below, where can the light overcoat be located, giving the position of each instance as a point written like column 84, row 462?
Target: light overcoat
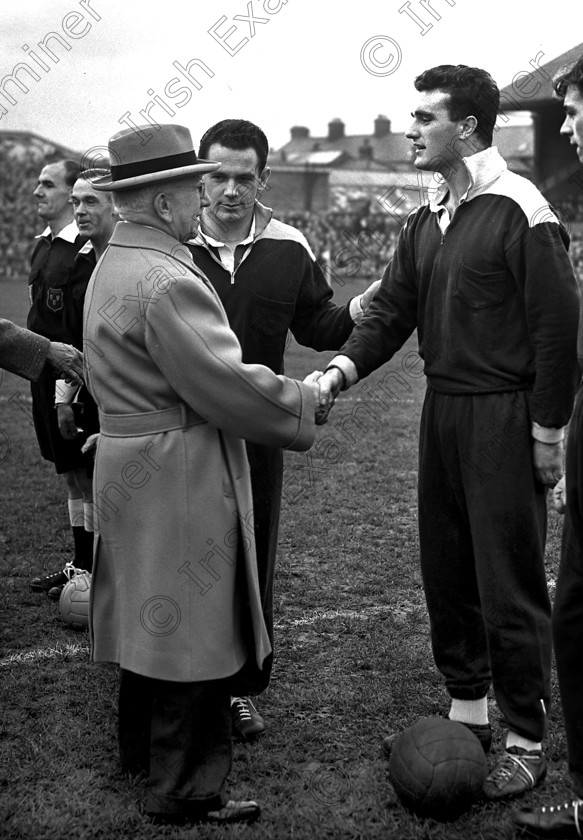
column 174, row 593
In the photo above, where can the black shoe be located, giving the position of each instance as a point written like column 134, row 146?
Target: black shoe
column 232, row 812
column 43, row 584
column 517, row 771
column 245, row 719
column 54, row 592
column 482, row 731
column 556, row 821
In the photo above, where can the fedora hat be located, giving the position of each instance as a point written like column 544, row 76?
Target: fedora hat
column 166, row 155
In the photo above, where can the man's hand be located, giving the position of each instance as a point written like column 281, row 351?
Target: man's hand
column 560, row 496
column 330, row 384
column 547, row 460
column 66, row 420
column 67, row 362
column 368, row 295
column 90, row 445
column 313, row 380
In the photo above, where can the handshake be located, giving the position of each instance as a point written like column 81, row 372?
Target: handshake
column 326, row 387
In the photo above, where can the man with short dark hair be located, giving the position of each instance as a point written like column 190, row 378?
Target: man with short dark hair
column 269, row 282
column 486, row 280
column 566, row 820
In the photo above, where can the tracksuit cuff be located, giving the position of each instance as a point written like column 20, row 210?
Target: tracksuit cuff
column 547, row 434
column 347, row 367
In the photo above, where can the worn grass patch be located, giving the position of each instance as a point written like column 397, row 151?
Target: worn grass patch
column 352, row 664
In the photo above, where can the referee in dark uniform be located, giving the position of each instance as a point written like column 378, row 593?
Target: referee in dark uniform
column 51, row 297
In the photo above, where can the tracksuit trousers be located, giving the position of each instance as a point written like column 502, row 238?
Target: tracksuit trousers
column 568, row 605
column 482, row 524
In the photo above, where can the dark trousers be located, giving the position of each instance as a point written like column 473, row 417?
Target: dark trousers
column 568, row 605
column 482, row 524
column 266, row 464
column 179, row 735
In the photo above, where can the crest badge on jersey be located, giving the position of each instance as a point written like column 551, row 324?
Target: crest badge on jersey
column 55, row 299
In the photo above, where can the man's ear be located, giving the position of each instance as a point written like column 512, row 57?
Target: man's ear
column 264, row 178
column 162, row 207
column 468, row 127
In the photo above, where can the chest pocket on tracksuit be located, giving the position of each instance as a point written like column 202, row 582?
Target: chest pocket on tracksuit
column 480, row 289
column 270, row 320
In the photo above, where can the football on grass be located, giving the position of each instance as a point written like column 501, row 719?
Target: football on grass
column 74, row 601
column 437, row 768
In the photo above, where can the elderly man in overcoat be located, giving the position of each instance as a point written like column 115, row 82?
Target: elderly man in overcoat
column 175, row 598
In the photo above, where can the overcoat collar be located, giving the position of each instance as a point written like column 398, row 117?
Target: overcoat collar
column 132, row 235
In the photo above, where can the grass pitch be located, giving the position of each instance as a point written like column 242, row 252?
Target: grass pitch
column 352, row 664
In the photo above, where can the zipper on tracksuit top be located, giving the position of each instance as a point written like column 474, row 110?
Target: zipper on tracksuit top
column 211, row 250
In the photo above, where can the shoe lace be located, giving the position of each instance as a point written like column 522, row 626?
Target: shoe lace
column 507, row 768
column 70, row 571
column 566, row 806
column 242, row 708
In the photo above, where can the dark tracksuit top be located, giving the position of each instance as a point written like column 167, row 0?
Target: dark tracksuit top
column 494, row 299
column 495, row 303
column 276, row 286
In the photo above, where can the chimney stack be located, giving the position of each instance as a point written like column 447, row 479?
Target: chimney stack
column 335, row 129
column 382, row 126
column 299, row 132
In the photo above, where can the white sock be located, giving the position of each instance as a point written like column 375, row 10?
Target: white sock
column 469, row 711
column 514, row 740
column 88, row 516
column 76, row 515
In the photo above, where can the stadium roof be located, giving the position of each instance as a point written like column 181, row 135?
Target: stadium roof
column 513, row 99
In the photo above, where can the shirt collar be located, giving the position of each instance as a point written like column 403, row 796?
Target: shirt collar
column 86, row 248
column 69, row 233
column 215, row 243
column 483, row 169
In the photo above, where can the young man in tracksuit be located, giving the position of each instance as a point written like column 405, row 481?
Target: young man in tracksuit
column 566, row 820
column 269, row 282
column 482, row 272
